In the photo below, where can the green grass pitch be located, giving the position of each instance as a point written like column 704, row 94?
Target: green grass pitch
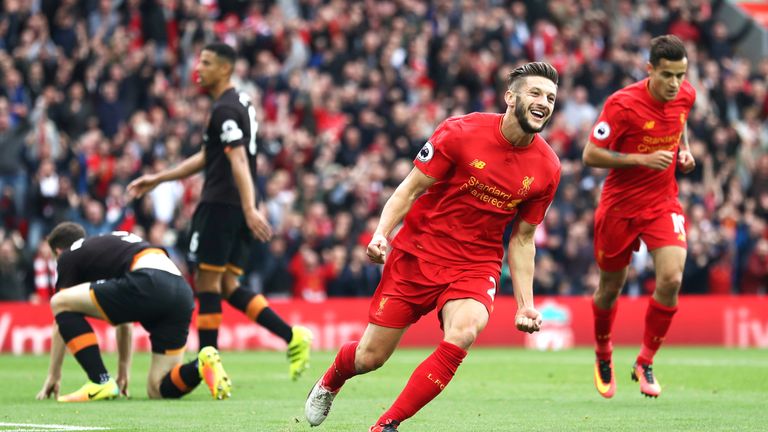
column 705, row 389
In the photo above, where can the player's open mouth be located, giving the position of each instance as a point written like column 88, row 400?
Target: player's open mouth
column 539, row 114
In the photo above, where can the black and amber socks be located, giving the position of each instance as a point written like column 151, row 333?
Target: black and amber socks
column 256, row 307
column 82, row 343
column 209, row 318
column 181, row 380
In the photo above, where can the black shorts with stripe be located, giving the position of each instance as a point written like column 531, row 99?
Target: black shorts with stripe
column 220, row 239
column 160, row 301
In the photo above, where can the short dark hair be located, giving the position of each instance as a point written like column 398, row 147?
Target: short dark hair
column 64, row 235
column 541, row 69
column 222, row 50
column 668, row 47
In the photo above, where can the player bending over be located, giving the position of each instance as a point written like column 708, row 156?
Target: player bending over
column 121, row 279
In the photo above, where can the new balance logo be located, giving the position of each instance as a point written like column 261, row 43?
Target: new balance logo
column 649, row 125
column 477, row 163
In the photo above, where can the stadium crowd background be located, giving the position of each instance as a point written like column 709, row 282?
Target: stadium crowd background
column 95, row 92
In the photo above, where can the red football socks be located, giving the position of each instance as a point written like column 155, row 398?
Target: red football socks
column 603, row 324
column 426, row 382
column 657, row 321
column 342, row 369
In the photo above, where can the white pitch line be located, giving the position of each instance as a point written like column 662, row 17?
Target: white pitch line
column 29, row 427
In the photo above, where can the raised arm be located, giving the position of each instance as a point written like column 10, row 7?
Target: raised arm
column 186, row 168
column 394, row 211
column 256, row 221
column 521, row 253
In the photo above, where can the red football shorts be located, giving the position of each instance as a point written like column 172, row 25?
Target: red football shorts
column 411, row 287
column 617, row 236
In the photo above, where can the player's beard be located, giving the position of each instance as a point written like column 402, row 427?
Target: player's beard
column 522, row 119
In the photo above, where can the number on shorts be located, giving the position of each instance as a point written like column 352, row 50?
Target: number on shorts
column 492, row 290
column 678, row 222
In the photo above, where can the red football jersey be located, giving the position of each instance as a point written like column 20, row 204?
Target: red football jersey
column 483, row 181
column 633, row 121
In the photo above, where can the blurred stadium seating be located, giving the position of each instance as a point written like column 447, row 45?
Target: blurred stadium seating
column 95, row 92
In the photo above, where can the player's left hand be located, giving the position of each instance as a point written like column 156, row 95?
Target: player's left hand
column 122, row 383
column 528, row 320
column 685, row 161
column 50, row 388
column 377, row 249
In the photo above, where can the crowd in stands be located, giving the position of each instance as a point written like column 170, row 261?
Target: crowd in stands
column 95, row 92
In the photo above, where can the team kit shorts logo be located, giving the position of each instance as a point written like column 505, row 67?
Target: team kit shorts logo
column 602, row 131
column 426, row 152
column 230, row 131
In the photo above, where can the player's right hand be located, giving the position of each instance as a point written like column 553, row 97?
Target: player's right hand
column 141, row 185
column 377, row 249
column 658, row 160
column 258, row 225
column 122, row 383
column 50, row 388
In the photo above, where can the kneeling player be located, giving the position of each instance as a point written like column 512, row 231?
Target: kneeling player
column 138, row 283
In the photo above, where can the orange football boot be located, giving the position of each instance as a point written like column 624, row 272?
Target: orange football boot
column 649, row 385
column 605, row 381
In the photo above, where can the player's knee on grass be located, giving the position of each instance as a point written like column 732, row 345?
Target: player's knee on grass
column 153, row 388
column 159, row 367
column 154, row 379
